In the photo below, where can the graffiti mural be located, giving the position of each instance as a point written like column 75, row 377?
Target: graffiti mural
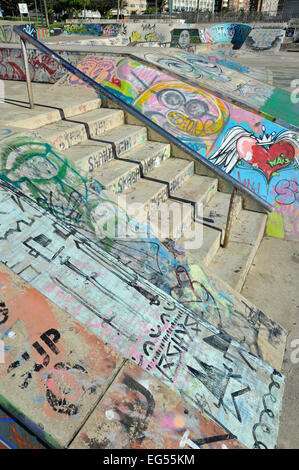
column 55, row 391
column 208, row 368
column 263, row 40
column 183, row 38
column 234, row 33
column 93, row 29
column 172, row 34
column 205, row 70
column 204, row 122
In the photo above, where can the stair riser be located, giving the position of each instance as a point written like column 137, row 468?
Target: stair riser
column 125, row 144
column 217, row 220
column 170, row 226
column 97, row 128
column 66, row 139
column 98, row 159
column 78, row 134
column 209, row 243
column 155, row 160
column 181, row 178
column 138, row 212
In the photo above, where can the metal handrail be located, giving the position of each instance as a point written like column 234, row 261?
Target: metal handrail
column 131, row 110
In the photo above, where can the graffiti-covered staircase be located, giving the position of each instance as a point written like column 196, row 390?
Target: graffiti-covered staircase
column 124, row 161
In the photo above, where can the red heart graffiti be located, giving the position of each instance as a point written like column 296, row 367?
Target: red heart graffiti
column 278, row 156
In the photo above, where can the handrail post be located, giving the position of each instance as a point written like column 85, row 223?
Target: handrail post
column 230, row 216
column 27, row 72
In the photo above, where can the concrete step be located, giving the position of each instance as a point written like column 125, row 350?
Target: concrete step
column 124, row 138
column 174, row 172
column 149, row 155
column 216, row 211
column 201, row 242
column 51, row 104
column 233, row 262
column 137, row 199
column 117, row 175
column 64, row 134
column 197, row 189
column 100, row 121
column 90, row 155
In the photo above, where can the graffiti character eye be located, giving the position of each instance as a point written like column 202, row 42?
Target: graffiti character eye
column 196, row 108
column 171, row 98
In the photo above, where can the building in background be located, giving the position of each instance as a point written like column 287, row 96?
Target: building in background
column 269, row 7
column 136, row 5
column 236, row 5
column 186, row 5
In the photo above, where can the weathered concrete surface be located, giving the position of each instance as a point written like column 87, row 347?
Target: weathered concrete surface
column 54, row 370
column 283, row 66
column 51, row 105
column 273, row 284
column 233, row 262
column 139, row 412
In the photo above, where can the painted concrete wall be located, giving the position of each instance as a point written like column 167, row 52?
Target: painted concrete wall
column 212, row 72
column 7, row 34
column 174, row 35
column 42, row 67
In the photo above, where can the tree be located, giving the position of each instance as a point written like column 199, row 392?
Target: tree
column 10, row 7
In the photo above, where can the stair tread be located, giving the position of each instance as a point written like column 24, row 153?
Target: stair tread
column 79, row 120
column 248, row 228
column 119, row 132
column 231, row 264
column 197, row 188
column 143, row 191
column 170, row 169
column 88, row 148
column 114, row 170
column 144, row 151
column 96, row 114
